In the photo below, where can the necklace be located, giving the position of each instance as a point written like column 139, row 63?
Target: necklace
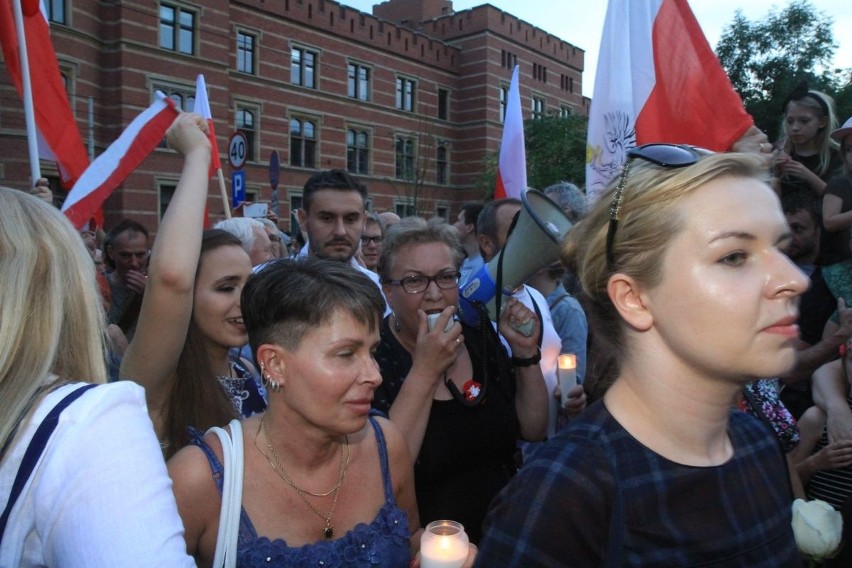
column 278, row 467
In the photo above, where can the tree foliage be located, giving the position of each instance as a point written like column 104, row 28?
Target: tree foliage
column 556, row 151
column 766, row 58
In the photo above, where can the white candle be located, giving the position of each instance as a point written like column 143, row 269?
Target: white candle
column 444, row 544
column 567, row 374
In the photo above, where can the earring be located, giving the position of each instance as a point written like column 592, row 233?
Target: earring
column 395, row 321
column 268, row 382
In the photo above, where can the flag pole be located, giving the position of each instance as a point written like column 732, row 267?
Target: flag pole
column 223, row 193
column 29, row 114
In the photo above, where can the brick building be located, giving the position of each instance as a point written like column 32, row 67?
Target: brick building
column 409, row 99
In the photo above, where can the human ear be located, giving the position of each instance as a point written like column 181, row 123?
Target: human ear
column 629, row 300
column 303, row 217
column 271, row 359
column 487, row 247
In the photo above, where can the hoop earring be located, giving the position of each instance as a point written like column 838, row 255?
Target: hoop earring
column 267, row 382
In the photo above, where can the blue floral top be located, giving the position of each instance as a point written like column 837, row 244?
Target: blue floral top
column 384, row 542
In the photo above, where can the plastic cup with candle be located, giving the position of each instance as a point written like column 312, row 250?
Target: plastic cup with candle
column 567, row 374
column 444, row 544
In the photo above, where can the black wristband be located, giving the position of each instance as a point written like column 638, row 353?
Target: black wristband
column 529, row 361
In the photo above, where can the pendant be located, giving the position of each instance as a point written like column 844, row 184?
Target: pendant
column 329, row 532
column 471, row 389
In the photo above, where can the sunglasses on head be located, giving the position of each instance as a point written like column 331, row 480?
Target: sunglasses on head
column 665, row 155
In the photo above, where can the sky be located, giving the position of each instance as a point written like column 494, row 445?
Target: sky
column 580, row 22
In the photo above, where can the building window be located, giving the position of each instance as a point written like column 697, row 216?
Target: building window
column 404, row 209
column 359, row 82
column 442, row 164
column 504, row 98
column 166, row 192
column 303, row 67
column 357, row 151
column 540, row 72
column 537, row 107
column 55, row 11
column 177, row 29
column 442, row 211
column 303, row 143
column 295, row 204
column 443, row 104
column 564, row 111
column 405, row 94
column 247, row 125
column 404, row 158
column 508, row 59
column 245, row 52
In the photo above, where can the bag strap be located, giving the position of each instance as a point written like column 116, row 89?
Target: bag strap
column 35, row 449
column 232, row 494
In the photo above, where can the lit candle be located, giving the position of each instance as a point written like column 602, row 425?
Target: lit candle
column 567, row 374
column 444, row 544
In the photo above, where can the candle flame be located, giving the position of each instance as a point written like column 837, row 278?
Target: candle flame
column 568, row 361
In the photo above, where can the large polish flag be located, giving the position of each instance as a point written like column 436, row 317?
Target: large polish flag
column 657, row 80
column 59, row 137
column 512, row 164
column 123, row 156
column 202, row 107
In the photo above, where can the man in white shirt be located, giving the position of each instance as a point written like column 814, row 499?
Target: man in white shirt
column 492, row 229
column 333, row 215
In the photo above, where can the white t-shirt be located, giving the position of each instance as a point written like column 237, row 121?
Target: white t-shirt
column 100, row 495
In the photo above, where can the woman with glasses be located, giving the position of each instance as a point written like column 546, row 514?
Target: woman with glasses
column 461, row 403
column 687, row 286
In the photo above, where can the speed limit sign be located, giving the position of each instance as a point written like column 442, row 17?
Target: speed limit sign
column 237, row 150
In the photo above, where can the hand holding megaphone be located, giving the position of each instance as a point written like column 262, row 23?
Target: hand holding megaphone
column 515, row 321
column 437, row 346
column 533, row 242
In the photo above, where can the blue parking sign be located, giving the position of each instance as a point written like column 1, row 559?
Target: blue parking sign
column 238, row 187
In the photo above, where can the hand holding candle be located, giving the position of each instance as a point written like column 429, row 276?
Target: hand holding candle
column 444, row 544
column 567, row 374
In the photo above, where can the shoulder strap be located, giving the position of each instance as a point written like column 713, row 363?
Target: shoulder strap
column 557, row 299
column 35, row 449
column 232, row 495
column 383, row 458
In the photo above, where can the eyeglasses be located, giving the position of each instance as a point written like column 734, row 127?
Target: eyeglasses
column 665, row 155
column 417, row 284
column 365, row 240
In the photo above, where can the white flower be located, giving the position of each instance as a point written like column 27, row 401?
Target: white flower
column 817, row 528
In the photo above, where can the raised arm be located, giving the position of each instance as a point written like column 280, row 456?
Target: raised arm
column 531, row 396
column 152, row 357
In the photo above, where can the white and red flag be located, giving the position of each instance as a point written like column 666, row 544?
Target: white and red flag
column 60, row 139
column 657, row 80
column 512, row 165
column 123, row 156
column 202, row 107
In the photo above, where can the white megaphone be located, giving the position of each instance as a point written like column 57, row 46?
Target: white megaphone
column 535, row 242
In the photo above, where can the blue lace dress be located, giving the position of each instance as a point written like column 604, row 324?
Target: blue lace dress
column 384, row 542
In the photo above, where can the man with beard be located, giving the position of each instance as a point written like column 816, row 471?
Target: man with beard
column 816, row 304
column 332, row 215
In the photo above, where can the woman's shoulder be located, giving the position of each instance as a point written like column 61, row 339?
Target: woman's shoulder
column 104, row 400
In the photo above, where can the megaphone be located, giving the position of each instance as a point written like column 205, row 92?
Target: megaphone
column 533, row 243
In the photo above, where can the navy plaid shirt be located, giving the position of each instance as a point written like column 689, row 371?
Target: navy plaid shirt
column 558, row 510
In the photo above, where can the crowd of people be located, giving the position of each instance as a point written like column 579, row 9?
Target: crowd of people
column 316, row 398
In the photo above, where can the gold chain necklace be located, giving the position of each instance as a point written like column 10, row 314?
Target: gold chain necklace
column 275, row 463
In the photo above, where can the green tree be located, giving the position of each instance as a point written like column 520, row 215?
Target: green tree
column 766, row 58
column 555, row 149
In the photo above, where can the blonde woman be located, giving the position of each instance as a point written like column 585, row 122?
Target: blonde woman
column 98, row 494
column 687, row 284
